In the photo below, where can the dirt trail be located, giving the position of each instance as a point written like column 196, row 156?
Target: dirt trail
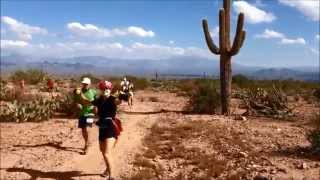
column 51, row 149
column 135, row 127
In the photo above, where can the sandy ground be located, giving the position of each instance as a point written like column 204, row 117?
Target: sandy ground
column 51, row 150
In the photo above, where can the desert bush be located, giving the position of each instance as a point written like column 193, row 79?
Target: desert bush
column 139, row 83
column 204, row 98
column 6, row 94
column 64, row 103
column 36, row 108
column 314, row 135
column 290, row 87
column 241, row 81
column 39, row 109
column 267, row 102
column 316, row 93
column 314, row 138
column 31, row 76
column 156, row 84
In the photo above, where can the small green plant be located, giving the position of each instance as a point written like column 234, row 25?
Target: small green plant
column 31, row 76
column 204, row 98
column 241, row 81
column 139, row 83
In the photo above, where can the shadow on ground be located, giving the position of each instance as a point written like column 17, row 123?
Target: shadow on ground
column 63, row 175
column 299, row 152
column 54, row 145
column 160, row 111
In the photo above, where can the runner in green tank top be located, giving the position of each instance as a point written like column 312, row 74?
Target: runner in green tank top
column 86, row 111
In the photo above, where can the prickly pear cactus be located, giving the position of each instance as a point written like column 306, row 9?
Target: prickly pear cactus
column 5, row 93
column 38, row 109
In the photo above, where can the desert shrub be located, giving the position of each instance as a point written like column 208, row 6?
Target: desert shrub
column 204, row 98
column 64, row 103
column 186, row 86
column 36, row 110
column 316, row 93
column 6, row 94
column 156, row 84
column 290, row 87
column 314, row 138
column 314, row 135
column 31, row 76
column 139, row 83
column 241, row 81
column 267, row 102
column 165, row 85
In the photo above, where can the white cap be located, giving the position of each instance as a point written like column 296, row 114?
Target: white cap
column 86, row 81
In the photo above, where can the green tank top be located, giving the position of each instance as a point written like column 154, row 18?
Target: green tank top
column 87, row 110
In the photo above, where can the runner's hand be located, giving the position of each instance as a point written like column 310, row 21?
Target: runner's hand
column 79, row 106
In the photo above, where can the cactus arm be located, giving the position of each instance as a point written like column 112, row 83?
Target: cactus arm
column 239, row 37
column 213, row 48
column 243, row 38
column 222, row 32
column 237, row 46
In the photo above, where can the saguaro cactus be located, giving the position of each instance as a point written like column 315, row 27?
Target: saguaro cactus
column 225, row 50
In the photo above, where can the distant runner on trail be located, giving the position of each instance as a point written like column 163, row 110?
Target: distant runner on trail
column 126, row 93
column 109, row 125
column 124, row 84
column 86, row 113
column 50, row 85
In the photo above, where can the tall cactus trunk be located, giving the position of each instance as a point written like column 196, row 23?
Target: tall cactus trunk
column 225, row 50
column 225, row 83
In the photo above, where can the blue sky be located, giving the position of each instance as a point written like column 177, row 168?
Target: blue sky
column 279, row 32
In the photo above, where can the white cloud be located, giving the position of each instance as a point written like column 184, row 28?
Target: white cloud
column 87, row 30
column 309, row 8
column 271, row 34
column 215, row 32
column 253, row 14
column 267, row 34
column 13, row 44
column 318, row 36
column 293, row 41
column 154, row 51
column 138, row 31
column 135, row 50
column 171, row 42
column 90, row 30
column 23, row 31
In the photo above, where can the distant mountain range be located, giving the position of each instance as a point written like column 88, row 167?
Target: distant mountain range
column 145, row 67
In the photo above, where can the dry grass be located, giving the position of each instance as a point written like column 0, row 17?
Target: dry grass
column 194, row 150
